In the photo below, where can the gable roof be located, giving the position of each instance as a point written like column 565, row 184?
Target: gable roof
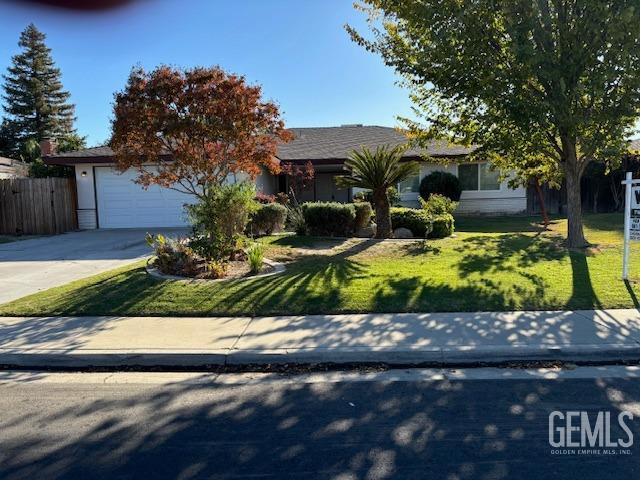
column 316, row 144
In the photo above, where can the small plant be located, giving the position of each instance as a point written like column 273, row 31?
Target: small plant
column 173, row 257
column 255, row 256
column 438, row 204
column 215, row 269
column 295, row 219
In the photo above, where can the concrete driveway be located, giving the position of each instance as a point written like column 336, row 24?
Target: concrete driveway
column 29, row 266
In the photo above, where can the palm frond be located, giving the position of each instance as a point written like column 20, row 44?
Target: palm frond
column 381, row 168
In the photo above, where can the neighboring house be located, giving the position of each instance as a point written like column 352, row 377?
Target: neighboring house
column 10, row 168
column 109, row 199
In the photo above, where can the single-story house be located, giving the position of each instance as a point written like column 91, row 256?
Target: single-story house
column 10, row 168
column 110, row 199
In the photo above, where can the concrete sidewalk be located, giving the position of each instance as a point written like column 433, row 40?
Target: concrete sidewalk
column 434, row 339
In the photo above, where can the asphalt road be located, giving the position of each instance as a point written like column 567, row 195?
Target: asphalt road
column 480, row 427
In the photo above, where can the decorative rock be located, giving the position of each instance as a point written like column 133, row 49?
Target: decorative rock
column 402, row 233
column 366, row 232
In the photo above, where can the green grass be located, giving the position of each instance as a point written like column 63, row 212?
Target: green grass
column 520, row 267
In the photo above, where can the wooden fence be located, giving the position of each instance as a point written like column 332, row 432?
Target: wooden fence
column 37, row 206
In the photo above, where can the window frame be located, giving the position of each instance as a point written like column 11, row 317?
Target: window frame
column 479, row 189
column 417, row 192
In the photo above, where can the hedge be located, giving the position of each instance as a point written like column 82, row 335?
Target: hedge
column 443, row 226
column 415, row 220
column 269, row 218
column 331, row 219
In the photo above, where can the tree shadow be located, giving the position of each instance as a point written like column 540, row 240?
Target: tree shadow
column 354, row 430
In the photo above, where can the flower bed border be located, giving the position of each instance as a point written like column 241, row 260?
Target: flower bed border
column 154, row 272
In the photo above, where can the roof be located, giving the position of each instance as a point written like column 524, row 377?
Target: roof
column 316, row 144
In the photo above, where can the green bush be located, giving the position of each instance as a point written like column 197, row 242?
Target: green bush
column 329, row 218
column 438, row 205
column 364, row 212
column 220, row 219
column 268, row 218
column 414, row 219
column 443, row 226
column 442, row 183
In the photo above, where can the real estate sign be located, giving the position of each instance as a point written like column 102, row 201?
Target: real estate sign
column 631, row 218
column 634, row 220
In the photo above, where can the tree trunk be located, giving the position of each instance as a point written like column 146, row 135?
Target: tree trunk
column 383, row 216
column 543, row 207
column 573, row 173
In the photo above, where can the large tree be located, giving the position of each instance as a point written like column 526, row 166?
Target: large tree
column 555, row 78
column 199, row 127
column 35, row 104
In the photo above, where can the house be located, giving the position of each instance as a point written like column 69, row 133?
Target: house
column 10, row 168
column 109, row 199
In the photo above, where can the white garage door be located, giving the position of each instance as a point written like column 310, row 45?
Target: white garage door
column 125, row 204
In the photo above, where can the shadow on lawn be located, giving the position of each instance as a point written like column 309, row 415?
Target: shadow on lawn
column 350, row 430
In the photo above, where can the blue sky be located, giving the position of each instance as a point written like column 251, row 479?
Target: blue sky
column 297, row 50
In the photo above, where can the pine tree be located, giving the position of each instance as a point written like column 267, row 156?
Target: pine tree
column 36, row 105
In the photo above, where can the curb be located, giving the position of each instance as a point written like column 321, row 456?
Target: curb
column 437, row 357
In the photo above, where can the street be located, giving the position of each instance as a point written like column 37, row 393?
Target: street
column 464, row 424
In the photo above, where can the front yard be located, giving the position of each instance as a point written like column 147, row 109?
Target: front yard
column 491, row 264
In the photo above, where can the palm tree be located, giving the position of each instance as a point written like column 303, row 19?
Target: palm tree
column 377, row 171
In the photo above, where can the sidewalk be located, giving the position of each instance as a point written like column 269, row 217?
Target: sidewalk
column 434, row 339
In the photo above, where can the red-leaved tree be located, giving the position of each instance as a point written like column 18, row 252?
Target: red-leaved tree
column 198, row 126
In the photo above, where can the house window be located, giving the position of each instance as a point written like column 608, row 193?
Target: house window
column 410, row 185
column 478, row 176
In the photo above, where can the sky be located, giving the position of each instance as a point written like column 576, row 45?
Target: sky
column 297, row 50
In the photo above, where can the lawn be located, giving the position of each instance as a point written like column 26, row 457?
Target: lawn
column 504, row 263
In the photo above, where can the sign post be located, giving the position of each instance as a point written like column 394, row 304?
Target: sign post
column 631, row 218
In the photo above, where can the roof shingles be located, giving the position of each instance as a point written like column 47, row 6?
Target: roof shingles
column 316, row 143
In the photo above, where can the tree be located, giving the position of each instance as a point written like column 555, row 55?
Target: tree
column 35, row 102
column 378, row 171
column 300, row 177
column 31, row 154
column 559, row 78
column 200, row 126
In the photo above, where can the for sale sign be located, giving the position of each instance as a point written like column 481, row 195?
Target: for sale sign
column 634, row 220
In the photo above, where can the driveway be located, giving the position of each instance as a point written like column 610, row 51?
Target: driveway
column 29, row 266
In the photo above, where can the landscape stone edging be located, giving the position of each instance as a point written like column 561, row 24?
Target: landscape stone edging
column 154, row 272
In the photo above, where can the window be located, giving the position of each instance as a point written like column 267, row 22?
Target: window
column 410, row 185
column 468, row 176
column 478, row 176
column 489, row 180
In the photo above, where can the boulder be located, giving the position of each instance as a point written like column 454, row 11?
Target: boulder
column 402, row 233
column 366, row 232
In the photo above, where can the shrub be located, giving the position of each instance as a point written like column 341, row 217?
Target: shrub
column 255, row 256
column 220, row 219
column 295, row 220
column 414, row 219
column 438, row 204
column 443, row 226
column 442, row 183
column 364, row 212
column 173, row 257
column 329, row 218
column 264, row 198
column 268, row 218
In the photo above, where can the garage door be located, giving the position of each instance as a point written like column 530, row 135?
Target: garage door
column 124, row 204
